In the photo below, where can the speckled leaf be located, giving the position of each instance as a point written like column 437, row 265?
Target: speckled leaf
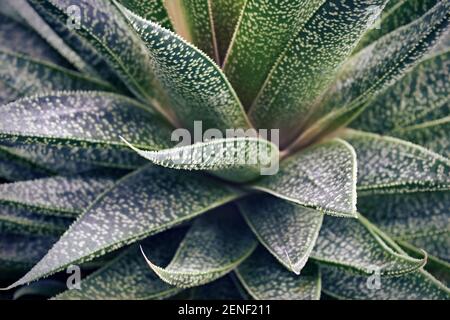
column 237, row 159
column 374, row 69
column 21, row 252
column 265, row 278
column 421, row 95
column 419, row 285
column 435, row 244
column 432, row 135
column 351, row 243
column 105, row 29
column 310, row 63
column 215, row 245
column 65, row 196
column 19, row 38
column 399, row 14
column 389, row 165
column 83, row 119
column 153, row 10
column 28, row 76
column 143, row 203
column 262, row 34
column 193, row 21
column 408, row 215
column 322, row 177
column 226, row 14
column 197, row 87
column 289, row 231
column 13, row 167
column 128, row 276
column 26, row 221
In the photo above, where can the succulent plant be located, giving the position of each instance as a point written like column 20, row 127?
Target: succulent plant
column 319, row 165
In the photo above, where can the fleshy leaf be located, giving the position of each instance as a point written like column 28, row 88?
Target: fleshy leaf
column 436, row 244
column 351, row 243
column 226, row 14
column 73, row 119
column 193, row 21
column 390, row 165
column 310, row 63
column 322, row 177
column 265, row 279
column 421, row 95
column 374, row 69
column 65, row 196
column 261, row 36
column 236, row 159
column 289, row 231
column 198, row 89
column 215, row 245
column 419, row 285
column 128, row 276
column 152, row 10
column 156, row 199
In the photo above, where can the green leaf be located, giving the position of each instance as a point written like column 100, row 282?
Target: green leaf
column 399, row 14
column 352, row 244
column 21, row 252
column 27, row 76
column 390, row 165
column 226, row 14
column 19, row 38
column 373, row 70
column 152, row 10
column 322, row 177
column 419, row 96
column 289, row 231
column 265, row 279
column 41, row 289
column 310, row 63
column 435, row 244
column 25, row 221
column 88, row 120
column 141, row 204
column 237, row 159
column 122, row 49
column 128, row 276
column 63, row 196
column 432, row 135
column 419, row 285
column 193, row 21
column 261, row 36
column 198, row 89
column 13, row 167
column 215, row 244
column 409, row 214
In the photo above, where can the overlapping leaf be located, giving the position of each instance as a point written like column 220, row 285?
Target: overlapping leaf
column 128, row 276
column 289, row 231
column 198, row 89
column 153, row 10
column 215, row 245
column 143, row 203
column 264, row 278
column 387, row 165
column 322, row 177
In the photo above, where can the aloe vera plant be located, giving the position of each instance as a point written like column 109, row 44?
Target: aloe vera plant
column 351, row 201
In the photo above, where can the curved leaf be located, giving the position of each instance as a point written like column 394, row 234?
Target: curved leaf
column 322, row 177
column 390, row 165
column 153, row 10
column 215, row 244
column 418, row 285
column 265, row 279
column 352, row 244
column 236, row 159
column 289, row 231
column 435, row 244
column 128, row 276
column 43, row 289
column 198, row 90
column 420, row 96
column 141, row 204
